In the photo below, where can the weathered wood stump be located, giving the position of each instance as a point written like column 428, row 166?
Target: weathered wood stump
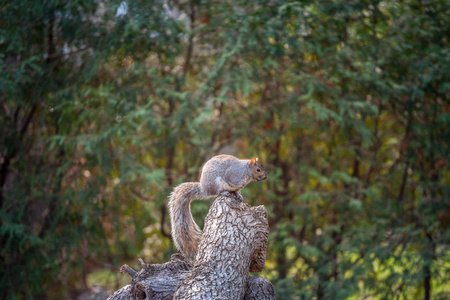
column 233, row 244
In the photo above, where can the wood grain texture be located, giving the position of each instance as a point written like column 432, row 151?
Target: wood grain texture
column 233, row 244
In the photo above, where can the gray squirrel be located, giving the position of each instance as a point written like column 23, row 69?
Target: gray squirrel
column 222, row 173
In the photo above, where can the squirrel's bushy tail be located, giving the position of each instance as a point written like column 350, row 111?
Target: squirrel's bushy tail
column 185, row 232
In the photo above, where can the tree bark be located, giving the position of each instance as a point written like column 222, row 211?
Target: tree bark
column 233, row 244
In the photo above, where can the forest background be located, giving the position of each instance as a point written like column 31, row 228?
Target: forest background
column 106, row 105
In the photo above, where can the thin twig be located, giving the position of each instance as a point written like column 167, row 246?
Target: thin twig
column 127, row 269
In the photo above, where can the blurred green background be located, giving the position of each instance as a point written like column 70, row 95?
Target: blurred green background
column 106, row 105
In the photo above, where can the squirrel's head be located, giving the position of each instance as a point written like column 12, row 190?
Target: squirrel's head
column 258, row 172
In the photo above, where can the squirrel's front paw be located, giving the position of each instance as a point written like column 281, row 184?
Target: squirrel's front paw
column 239, row 197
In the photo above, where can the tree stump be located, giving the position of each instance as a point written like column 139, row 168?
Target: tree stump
column 233, row 244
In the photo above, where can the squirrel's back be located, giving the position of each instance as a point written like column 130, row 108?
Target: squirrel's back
column 224, row 173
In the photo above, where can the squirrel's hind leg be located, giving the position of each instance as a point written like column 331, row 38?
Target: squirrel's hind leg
column 226, row 193
column 234, row 194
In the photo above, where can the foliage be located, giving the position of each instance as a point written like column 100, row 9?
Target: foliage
column 105, row 106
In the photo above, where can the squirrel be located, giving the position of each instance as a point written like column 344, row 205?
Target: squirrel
column 222, row 173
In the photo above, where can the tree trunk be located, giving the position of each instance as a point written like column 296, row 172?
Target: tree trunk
column 233, row 244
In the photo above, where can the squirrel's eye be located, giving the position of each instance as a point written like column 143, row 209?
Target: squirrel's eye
column 258, row 170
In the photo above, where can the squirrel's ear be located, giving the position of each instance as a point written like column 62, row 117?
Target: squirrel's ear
column 253, row 161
